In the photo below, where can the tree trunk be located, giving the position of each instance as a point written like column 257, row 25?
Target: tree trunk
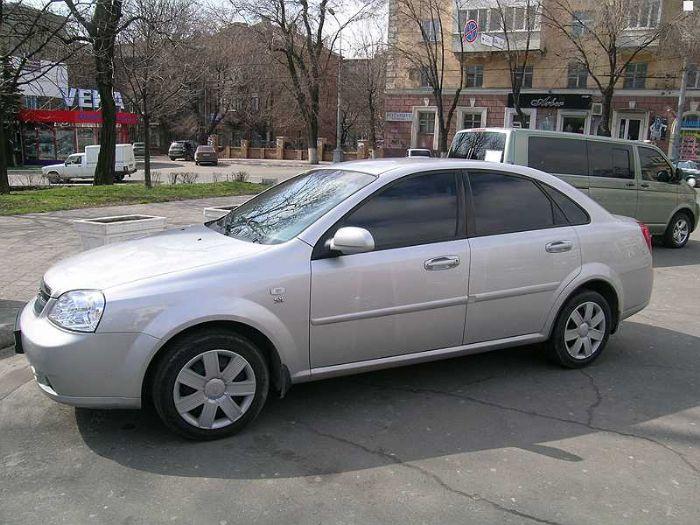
column 104, row 173
column 313, row 140
column 604, row 126
column 372, row 128
column 442, row 141
column 4, row 180
column 147, row 151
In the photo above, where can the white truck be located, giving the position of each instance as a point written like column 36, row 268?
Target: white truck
column 82, row 165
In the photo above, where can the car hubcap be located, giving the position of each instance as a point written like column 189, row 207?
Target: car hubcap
column 584, row 330
column 214, row 389
column 680, row 231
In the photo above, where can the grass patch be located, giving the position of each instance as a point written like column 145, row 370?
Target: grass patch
column 74, row 197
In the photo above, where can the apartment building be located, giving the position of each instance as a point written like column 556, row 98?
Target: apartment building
column 557, row 93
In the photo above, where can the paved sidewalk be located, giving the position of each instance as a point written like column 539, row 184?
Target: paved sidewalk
column 32, row 243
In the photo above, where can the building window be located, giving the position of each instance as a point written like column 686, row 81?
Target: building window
column 471, row 120
column 480, row 15
column 31, row 102
column 426, row 122
column 693, row 77
column 473, row 76
column 645, row 14
column 581, row 22
column 635, row 75
column 526, row 75
column 430, row 30
column 577, row 76
column 424, row 73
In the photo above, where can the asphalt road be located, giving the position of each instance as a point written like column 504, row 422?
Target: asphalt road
column 503, row 437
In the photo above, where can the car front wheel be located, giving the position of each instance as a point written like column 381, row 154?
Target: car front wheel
column 678, row 231
column 581, row 330
column 210, row 385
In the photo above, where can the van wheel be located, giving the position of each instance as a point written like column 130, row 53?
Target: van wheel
column 581, row 330
column 210, row 384
column 678, row 231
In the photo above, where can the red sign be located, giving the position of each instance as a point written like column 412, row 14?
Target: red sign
column 72, row 117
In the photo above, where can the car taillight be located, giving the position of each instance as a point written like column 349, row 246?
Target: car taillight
column 646, row 234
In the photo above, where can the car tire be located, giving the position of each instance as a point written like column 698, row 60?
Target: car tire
column 172, row 158
column 196, row 163
column 581, row 330
column 118, row 177
column 678, row 230
column 203, row 408
column 54, row 178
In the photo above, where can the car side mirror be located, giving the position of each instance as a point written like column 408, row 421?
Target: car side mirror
column 350, row 239
column 691, row 181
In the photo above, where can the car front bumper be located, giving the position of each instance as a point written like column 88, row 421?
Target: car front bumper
column 96, row 370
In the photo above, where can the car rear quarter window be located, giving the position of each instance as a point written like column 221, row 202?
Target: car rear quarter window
column 557, row 155
column 506, row 204
column 609, row 160
column 574, row 214
column 420, row 209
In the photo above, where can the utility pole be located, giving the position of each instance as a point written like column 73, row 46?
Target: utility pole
column 338, row 151
column 676, row 136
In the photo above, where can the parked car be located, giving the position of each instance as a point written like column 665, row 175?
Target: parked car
column 418, row 152
column 140, row 149
column 206, row 154
column 365, row 265
column 626, row 177
column 690, row 171
column 182, row 149
column 83, row 165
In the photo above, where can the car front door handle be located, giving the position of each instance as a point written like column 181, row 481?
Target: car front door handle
column 644, row 185
column 558, row 246
column 441, row 263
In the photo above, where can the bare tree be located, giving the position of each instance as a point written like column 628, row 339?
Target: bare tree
column 100, row 21
column 300, row 35
column 29, row 34
column 517, row 45
column 430, row 57
column 603, row 39
column 148, row 55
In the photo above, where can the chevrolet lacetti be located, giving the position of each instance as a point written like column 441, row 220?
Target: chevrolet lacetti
column 343, row 269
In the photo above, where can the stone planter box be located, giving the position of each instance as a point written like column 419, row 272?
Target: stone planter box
column 214, row 213
column 107, row 230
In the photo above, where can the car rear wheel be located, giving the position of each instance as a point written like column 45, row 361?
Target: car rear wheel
column 581, row 330
column 678, row 231
column 210, row 385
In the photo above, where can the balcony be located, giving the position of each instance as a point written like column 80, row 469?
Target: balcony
column 494, row 42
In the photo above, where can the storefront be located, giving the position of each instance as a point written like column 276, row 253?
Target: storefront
column 690, row 137
column 552, row 112
column 48, row 135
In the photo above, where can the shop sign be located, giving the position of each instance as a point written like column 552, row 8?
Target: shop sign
column 552, row 101
column 73, row 117
column 395, row 116
column 87, row 98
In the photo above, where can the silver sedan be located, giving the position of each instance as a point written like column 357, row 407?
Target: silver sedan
column 343, row 269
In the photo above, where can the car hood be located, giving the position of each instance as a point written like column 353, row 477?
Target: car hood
column 125, row 262
column 48, row 168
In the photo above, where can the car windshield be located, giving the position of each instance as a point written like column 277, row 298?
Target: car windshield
column 688, row 165
column 479, row 145
column 285, row 210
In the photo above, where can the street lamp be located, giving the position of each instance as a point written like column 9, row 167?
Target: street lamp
column 338, row 151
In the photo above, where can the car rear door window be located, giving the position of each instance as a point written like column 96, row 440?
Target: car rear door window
column 557, row 155
column 416, row 210
column 505, row 204
column 609, row 160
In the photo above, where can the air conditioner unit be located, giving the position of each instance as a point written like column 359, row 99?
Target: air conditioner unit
column 597, row 109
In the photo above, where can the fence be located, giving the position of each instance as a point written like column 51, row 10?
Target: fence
column 282, row 152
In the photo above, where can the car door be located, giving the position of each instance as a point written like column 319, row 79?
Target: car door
column 72, row 167
column 658, row 191
column 523, row 252
column 407, row 295
column 612, row 179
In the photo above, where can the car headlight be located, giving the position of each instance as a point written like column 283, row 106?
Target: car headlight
column 79, row 310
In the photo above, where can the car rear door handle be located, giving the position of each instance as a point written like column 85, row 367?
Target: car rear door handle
column 441, row 263
column 558, row 246
column 630, row 184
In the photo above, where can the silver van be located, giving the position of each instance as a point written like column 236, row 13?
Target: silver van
column 626, row 177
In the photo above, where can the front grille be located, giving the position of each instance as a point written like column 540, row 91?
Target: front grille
column 42, row 297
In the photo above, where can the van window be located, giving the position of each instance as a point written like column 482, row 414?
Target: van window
column 555, row 155
column 479, row 145
column 506, row 204
column 654, row 166
column 609, row 160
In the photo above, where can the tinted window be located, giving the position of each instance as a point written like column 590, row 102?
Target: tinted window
column 479, row 145
column 573, row 213
column 552, row 155
column 609, row 160
column 654, row 166
column 285, row 210
column 417, row 210
column 503, row 204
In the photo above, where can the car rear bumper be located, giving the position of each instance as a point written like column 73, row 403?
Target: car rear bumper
column 98, row 370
